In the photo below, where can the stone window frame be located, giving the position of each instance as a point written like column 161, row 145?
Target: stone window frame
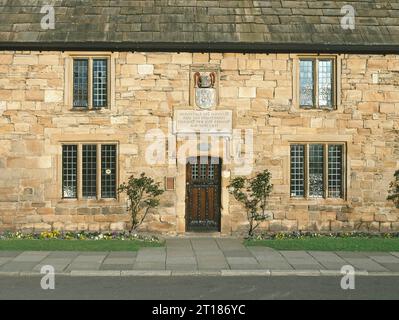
column 337, row 82
column 79, row 196
column 68, row 87
column 345, row 167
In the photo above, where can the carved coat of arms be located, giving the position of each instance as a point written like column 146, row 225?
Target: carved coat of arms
column 205, row 92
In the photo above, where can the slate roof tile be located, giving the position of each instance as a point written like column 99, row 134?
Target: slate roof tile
column 208, row 21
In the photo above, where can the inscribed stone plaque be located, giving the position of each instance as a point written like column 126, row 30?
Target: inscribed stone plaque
column 190, row 121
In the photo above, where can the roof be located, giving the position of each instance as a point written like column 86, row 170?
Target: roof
column 201, row 25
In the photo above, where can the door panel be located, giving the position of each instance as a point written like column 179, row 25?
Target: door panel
column 203, row 177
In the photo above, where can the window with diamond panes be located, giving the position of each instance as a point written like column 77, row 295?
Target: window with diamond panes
column 317, row 83
column 80, row 83
column 306, row 80
column 317, row 170
column 108, row 171
column 69, row 171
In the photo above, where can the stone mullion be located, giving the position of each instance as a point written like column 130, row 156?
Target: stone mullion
column 325, row 169
column 80, row 172
column 98, row 164
column 306, row 171
column 90, row 84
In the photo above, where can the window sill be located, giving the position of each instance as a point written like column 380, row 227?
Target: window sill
column 89, row 201
column 322, row 201
column 84, row 109
column 320, row 109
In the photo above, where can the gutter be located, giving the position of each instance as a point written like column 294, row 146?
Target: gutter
column 216, row 47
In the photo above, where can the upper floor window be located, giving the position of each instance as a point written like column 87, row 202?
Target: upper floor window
column 89, row 171
column 317, row 82
column 90, row 82
column 317, row 170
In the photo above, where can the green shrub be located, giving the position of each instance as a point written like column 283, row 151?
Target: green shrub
column 253, row 194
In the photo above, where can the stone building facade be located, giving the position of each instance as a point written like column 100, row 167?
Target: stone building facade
column 145, row 92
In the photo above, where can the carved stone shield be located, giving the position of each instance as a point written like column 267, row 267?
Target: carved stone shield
column 205, row 98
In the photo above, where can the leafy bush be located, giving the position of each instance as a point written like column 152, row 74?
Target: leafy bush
column 394, row 190
column 253, row 194
column 142, row 193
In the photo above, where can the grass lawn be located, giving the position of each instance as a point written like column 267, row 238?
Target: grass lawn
column 330, row 244
column 75, row 245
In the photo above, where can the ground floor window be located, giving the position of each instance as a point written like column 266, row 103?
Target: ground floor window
column 89, row 170
column 317, row 170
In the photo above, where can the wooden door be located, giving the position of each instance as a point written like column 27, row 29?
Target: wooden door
column 203, row 186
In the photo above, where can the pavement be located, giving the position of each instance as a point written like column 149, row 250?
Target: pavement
column 201, row 257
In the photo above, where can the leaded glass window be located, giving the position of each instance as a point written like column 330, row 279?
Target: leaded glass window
column 335, row 171
column 306, row 79
column 89, row 170
column 325, row 83
column 317, row 83
column 98, row 162
column 297, row 170
column 69, row 171
column 317, row 170
column 80, row 83
column 90, row 82
column 100, row 83
column 108, row 171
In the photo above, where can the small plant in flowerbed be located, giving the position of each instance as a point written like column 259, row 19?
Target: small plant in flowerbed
column 60, row 235
column 253, row 194
column 309, row 235
column 143, row 193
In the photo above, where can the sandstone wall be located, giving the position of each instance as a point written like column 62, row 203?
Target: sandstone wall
column 148, row 86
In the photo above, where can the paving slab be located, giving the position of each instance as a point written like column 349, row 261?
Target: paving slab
column 351, row 254
column 89, row 258
column 384, row 259
column 83, row 266
column 58, row 267
column 11, row 254
column 119, row 260
column 31, row 256
column 117, row 267
column 18, row 266
column 365, row 264
column 181, row 260
column 276, row 266
column 65, row 254
column 4, row 260
column 181, row 267
column 237, row 253
column 122, row 254
column 242, row 261
column 149, row 266
column 391, row 266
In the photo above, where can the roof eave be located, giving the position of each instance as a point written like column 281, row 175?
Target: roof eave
column 237, row 47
